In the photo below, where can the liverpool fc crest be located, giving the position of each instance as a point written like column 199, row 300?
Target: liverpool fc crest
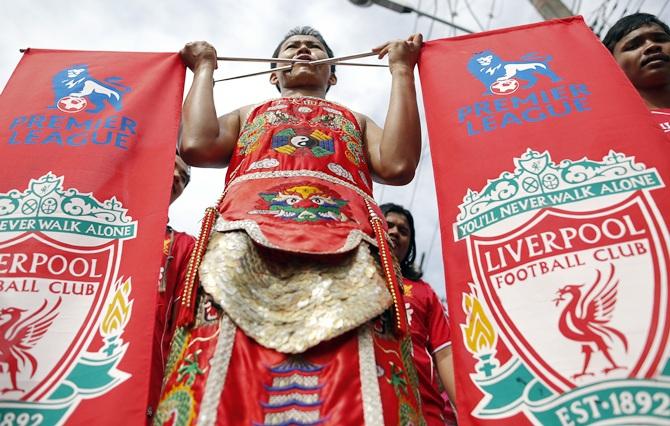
column 63, row 304
column 569, row 282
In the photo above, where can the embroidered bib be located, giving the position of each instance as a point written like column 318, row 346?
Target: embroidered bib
column 298, row 178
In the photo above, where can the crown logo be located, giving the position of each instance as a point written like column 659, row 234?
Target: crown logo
column 537, row 182
column 46, row 206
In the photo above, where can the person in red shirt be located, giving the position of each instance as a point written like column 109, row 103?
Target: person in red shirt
column 640, row 44
column 429, row 326
column 177, row 247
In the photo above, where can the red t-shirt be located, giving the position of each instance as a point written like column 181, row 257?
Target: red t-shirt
column 429, row 327
column 177, row 248
column 662, row 117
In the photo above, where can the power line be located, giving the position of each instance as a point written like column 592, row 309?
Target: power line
column 663, row 8
column 609, row 16
column 432, row 21
column 452, row 14
column 625, row 9
column 416, row 20
column 599, row 20
column 474, row 16
column 642, row 2
column 404, row 8
column 493, row 5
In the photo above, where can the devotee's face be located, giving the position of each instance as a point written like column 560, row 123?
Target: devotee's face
column 644, row 55
column 399, row 232
column 180, row 178
column 307, row 48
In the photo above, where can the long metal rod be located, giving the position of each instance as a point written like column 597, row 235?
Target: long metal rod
column 242, row 59
column 326, row 61
column 361, row 64
column 342, row 58
column 289, row 61
column 284, row 68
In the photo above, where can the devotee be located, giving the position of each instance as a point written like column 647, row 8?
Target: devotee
column 298, row 318
column 428, row 322
column 177, row 247
column 640, row 44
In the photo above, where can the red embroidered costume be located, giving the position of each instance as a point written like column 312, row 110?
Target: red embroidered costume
column 292, row 324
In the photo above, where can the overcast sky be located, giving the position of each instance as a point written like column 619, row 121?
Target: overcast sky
column 252, row 28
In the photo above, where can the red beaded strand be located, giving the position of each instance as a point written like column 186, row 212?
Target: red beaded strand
column 389, row 272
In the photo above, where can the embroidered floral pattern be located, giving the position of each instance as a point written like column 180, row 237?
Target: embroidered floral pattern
column 354, row 152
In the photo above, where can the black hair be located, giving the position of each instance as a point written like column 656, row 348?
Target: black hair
column 407, row 264
column 305, row 30
column 628, row 24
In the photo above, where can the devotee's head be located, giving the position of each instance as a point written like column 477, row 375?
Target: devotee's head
column 303, row 43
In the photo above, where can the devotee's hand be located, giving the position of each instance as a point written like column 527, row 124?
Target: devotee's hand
column 197, row 54
column 403, row 54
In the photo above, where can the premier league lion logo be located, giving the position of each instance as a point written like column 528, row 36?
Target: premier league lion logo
column 74, row 89
column 502, row 78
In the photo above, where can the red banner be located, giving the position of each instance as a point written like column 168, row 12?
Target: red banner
column 550, row 179
column 87, row 141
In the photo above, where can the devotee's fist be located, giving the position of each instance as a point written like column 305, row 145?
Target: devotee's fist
column 197, row 54
column 403, row 54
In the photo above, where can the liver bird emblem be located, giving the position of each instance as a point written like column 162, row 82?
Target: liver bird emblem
column 18, row 335
column 586, row 316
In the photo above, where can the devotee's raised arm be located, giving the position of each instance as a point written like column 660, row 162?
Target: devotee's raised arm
column 205, row 140
column 394, row 151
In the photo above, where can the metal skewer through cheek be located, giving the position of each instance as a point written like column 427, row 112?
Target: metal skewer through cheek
column 340, row 60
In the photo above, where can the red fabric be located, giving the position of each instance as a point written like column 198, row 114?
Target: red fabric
column 253, row 368
column 100, row 126
column 177, row 248
column 249, row 375
column 567, row 114
column 185, row 380
column 270, row 142
column 429, row 327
